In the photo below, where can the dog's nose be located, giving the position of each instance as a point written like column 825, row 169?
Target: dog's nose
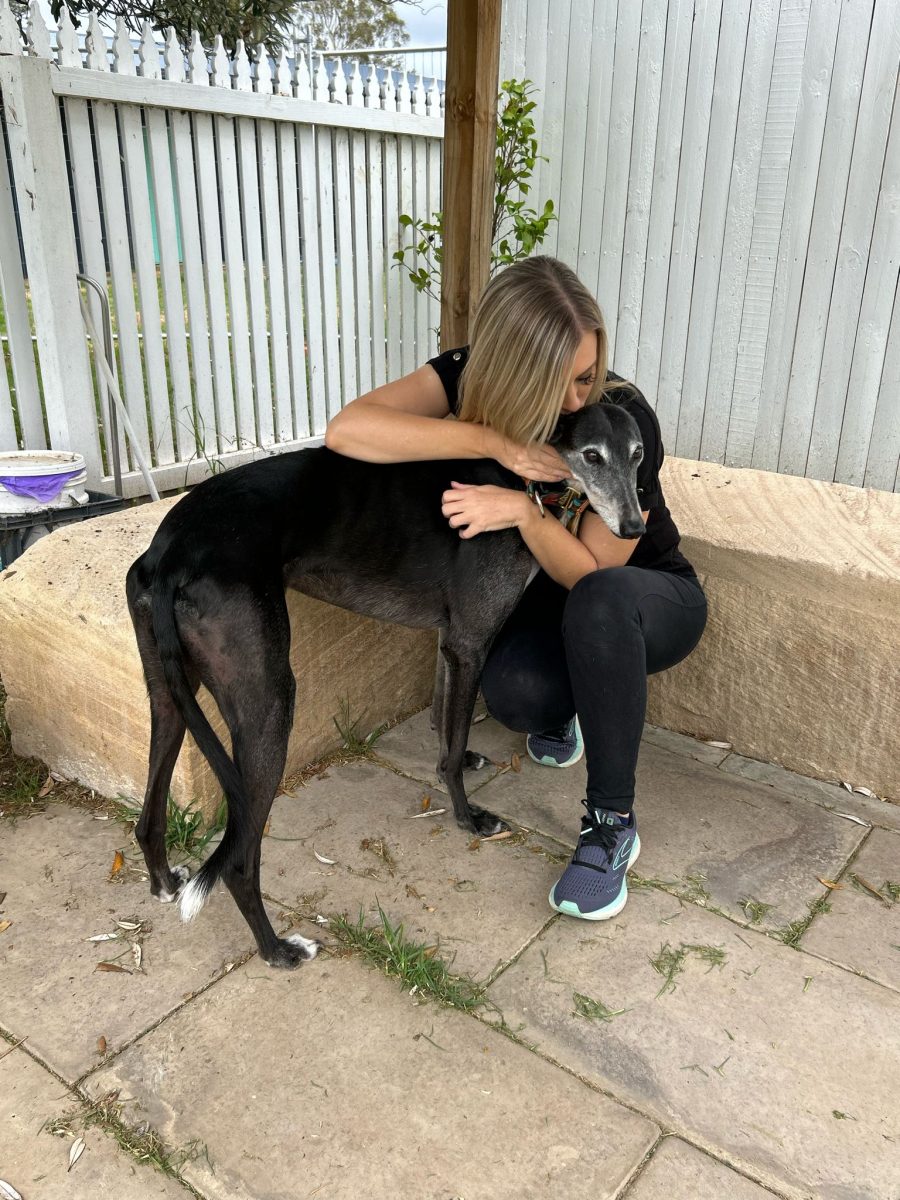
column 632, row 529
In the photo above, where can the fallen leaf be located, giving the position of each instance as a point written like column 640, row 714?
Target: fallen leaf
column 864, row 791
column 426, row 803
column 432, row 812
column 75, row 1153
column 320, row 920
column 57, row 777
column 516, row 763
column 4, row 925
column 266, row 828
column 101, row 1045
column 475, row 843
column 829, row 883
column 499, row 837
column 848, row 786
column 8, row 1192
column 481, row 717
column 137, row 955
column 329, row 862
column 47, row 787
column 721, row 745
column 856, row 820
column 129, row 924
column 103, row 937
column 429, row 952
column 118, row 864
column 864, row 883
column 111, row 966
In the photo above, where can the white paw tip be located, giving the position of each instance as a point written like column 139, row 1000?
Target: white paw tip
column 193, row 899
column 307, row 945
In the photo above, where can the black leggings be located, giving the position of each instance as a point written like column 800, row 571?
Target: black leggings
column 590, row 650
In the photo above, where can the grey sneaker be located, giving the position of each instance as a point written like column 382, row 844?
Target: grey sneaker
column 593, row 885
column 558, row 747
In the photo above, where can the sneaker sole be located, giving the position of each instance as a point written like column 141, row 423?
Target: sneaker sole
column 571, row 909
column 547, row 761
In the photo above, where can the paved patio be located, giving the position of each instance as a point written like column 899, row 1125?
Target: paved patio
column 732, row 1034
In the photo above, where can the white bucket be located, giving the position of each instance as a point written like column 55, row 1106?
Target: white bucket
column 42, row 465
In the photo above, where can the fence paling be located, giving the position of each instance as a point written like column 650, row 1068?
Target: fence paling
column 312, row 278
column 362, row 249
column 293, row 279
column 393, row 274
column 237, row 287
column 376, row 259
column 329, row 295
column 344, row 250
column 408, row 303
column 273, row 259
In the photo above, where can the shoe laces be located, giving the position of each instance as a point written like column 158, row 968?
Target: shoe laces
column 596, row 833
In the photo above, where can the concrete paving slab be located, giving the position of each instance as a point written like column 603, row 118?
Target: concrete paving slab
column 678, row 1171
column 412, row 749
column 757, row 1060
column 36, row 1163
column 54, row 868
column 829, row 795
column 482, row 904
column 721, row 840
column 861, row 932
column 335, row 1077
column 680, row 743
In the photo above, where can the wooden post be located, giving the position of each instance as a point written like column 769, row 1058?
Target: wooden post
column 470, row 122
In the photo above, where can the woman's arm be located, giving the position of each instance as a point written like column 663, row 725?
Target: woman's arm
column 404, row 422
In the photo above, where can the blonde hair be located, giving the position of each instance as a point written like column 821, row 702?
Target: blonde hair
column 527, row 329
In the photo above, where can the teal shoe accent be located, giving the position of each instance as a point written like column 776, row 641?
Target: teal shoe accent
column 559, row 748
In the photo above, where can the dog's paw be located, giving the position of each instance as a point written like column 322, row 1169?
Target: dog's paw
column 474, row 761
column 291, row 951
column 486, row 824
column 179, row 876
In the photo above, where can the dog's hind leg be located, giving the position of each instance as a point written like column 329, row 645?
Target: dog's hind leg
column 463, row 665
column 255, row 691
column 472, row 760
column 167, row 730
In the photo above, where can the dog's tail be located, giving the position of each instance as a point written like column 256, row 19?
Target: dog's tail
column 171, row 653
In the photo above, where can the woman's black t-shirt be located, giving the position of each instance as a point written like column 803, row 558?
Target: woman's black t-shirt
column 658, row 548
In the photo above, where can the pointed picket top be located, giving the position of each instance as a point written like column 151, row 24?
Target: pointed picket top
column 243, row 79
column 221, row 73
column 67, row 52
column 198, row 65
column 123, row 54
column 96, row 56
column 148, row 53
column 339, row 82
column 263, row 71
column 404, row 95
column 389, row 92
column 38, row 33
column 173, row 58
column 434, row 98
column 321, row 79
column 301, row 72
column 282, row 82
column 10, row 41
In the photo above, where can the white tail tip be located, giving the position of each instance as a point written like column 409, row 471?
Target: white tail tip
column 193, row 899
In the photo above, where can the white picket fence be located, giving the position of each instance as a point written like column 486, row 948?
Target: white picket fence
column 727, row 178
column 243, row 217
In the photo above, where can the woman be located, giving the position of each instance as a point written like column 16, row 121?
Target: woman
column 603, row 612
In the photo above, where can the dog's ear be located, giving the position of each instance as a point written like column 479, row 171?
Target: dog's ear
column 561, row 434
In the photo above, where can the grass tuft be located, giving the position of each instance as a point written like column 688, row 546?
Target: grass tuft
column 352, row 741
column 594, row 1010
column 187, row 831
column 416, row 966
column 792, row 933
column 755, row 910
column 670, row 961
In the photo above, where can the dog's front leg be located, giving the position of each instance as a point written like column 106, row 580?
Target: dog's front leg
column 462, row 670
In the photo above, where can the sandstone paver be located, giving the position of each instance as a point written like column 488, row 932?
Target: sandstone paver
column 482, row 900
column 781, row 1063
column 35, row 1163
column 332, row 1082
column 861, row 932
column 706, row 831
column 413, row 749
column 678, row 1171
column 54, row 868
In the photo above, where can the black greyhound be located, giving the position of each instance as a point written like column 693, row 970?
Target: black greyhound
column 207, row 601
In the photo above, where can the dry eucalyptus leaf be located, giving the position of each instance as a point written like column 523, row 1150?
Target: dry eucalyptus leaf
column 137, row 955
column 101, row 1045
column 329, row 862
column 103, row 937
column 475, row 843
column 47, row 787
column 118, row 864
column 54, row 775
column 516, row 763
column 855, row 820
column 721, row 745
column 847, row 786
column 75, row 1153
column 829, row 883
column 4, row 925
column 8, row 1192
column 499, row 837
column 129, row 924
column 429, row 952
column 426, row 803
column 432, row 812
column 111, row 966
column 864, row 883
column 864, row 791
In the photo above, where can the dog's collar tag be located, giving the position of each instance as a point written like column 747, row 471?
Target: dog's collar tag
column 571, row 503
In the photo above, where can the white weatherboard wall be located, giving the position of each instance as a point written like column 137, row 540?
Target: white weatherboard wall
column 727, row 178
column 243, row 218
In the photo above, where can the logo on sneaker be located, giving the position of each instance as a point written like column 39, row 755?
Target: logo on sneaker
column 621, row 859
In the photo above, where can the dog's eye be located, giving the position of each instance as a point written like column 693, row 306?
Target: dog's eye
column 638, row 454
column 593, row 456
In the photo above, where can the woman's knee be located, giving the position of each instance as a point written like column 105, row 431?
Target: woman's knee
column 603, row 600
column 523, row 702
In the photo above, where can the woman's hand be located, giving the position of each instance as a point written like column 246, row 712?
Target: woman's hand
column 531, row 461
column 479, row 508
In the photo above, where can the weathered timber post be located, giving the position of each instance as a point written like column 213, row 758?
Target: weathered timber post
column 470, row 116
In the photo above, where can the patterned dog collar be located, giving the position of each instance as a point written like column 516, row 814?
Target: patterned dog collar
column 570, row 502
